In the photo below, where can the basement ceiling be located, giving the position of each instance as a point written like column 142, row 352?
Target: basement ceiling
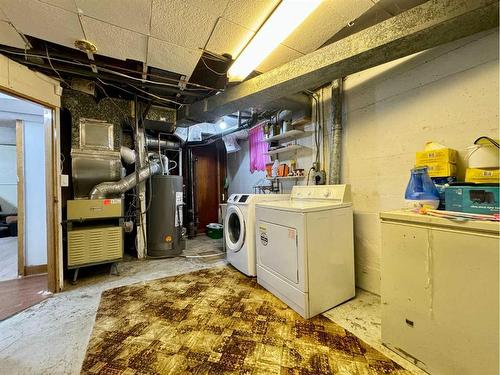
column 169, row 35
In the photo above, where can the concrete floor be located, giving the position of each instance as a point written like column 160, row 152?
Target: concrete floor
column 52, row 337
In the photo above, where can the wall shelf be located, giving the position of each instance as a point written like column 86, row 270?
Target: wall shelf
column 286, row 149
column 301, row 121
column 289, row 134
column 285, row 178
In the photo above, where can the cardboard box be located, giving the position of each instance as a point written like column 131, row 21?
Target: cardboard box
column 484, row 176
column 473, row 199
column 440, row 169
column 440, row 155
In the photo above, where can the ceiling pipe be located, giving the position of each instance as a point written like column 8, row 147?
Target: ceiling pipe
column 425, row 26
column 336, row 132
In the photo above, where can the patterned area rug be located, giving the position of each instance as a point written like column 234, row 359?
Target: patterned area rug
column 217, row 321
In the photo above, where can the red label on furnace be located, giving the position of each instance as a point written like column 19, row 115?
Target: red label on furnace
column 106, row 202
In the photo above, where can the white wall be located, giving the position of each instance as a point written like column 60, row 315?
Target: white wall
column 448, row 94
column 238, row 171
column 8, row 168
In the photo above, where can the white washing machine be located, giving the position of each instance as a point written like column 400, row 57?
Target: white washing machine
column 305, row 248
column 239, row 229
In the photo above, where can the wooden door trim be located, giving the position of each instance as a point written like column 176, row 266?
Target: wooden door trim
column 53, row 189
column 20, row 196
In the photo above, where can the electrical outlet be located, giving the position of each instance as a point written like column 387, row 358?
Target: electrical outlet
column 319, row 177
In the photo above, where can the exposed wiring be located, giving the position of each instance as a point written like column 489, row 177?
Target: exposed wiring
column 308, row 174
column 52, row 66
column 491, row 140
column 122, row 89
column 125, row 116
column 212, row 70
column 156, row 96
column 102, row 67
column 175, row 166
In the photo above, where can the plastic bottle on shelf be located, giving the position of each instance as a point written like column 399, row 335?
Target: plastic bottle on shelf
column 276, row 165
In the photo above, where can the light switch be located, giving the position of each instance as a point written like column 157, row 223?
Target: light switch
column 64, row 180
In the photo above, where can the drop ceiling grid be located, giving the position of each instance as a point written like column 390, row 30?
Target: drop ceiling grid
column 68, row 5
column 187, row 23
column 10, row 36
column 280, row 55
column 133, row 15
column 43, row 21
column 115, row 41
column 330, row 17
column 228, row 37
column 3, row 16
column 249, row 14
column 172, row 57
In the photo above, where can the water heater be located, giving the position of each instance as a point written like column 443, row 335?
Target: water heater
column 164, row 220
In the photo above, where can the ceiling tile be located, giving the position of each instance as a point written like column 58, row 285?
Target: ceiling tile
column 64, row 4
column 330, row 17
column 128, row 14
column 249, row 13
column 187, row 23
column 281, row 55
column 43, row 21
column 228, row 38
column 114, row 41
column 3, row 16
column 9, row 36
column 167, row 56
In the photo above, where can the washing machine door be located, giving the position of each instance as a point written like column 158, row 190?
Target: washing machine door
column 234, row 228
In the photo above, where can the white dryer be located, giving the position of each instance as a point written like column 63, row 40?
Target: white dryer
column 239, row 229
column 305, row 250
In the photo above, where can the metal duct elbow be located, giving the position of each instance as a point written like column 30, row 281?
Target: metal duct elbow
column 128, row 155
column 285, row 115
column 107, row 189
column 154, row 143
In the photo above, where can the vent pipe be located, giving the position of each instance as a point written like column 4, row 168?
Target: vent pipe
column 128, row 155
column 107, row 189
column 154, row 143
column 336, row 131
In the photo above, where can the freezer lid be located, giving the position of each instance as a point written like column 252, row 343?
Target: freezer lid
column 409, row 217
column 303, row 205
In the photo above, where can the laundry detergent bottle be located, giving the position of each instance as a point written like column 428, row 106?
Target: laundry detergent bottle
column 421, row 191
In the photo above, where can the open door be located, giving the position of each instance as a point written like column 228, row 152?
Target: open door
column 24, row 205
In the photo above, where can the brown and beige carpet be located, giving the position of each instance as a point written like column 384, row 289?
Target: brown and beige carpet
column 217, row 321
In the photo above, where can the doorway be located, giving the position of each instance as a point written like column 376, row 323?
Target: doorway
column 209, row 176
column 23, row 200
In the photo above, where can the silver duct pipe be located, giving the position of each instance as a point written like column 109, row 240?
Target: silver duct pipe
column 128, row 155
column 336, row 132
column 163, row 143
column 106, row 189
column 285, row 115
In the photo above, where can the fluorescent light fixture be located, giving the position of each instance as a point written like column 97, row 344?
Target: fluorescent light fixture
column 286, row 17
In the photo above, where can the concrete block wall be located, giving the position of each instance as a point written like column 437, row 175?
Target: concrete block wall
column 448, row 94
